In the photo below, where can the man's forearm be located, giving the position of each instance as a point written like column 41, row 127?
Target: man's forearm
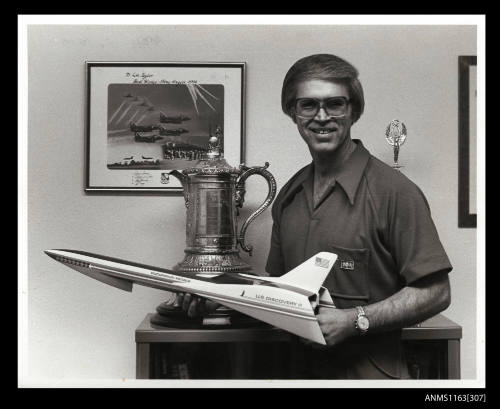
column 411, row 305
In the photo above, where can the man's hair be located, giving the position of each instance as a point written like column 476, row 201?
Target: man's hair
column 325, row 67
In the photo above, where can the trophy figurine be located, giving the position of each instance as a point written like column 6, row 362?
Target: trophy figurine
column 395, row 135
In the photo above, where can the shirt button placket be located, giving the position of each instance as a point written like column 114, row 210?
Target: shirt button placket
column 311, row 245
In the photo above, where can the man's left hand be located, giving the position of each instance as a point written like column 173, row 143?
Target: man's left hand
column 336, row 324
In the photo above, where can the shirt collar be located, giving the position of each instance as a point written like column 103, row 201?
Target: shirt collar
column 351, row 173
column 349, row 177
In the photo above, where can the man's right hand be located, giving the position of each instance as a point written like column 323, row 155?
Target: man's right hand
column 194, row 305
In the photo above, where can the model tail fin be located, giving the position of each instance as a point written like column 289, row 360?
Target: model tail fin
column 307, row 277
column 311, row 274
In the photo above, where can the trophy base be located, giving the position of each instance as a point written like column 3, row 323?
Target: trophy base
column 229, row 262
column 170, row 315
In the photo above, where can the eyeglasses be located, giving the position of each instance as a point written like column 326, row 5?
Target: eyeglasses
column 335, row 107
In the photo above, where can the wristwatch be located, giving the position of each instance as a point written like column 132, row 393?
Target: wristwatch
column 362, row 324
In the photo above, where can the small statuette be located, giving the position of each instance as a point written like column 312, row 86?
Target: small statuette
column 214, row 145
column 395, row 135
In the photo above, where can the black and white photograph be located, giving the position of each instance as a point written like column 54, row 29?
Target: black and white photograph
column 276, row 202
column 145, row 119
column 147, row 134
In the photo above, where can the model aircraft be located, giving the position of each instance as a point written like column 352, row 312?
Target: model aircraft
column 288, row 302
column 173, row 119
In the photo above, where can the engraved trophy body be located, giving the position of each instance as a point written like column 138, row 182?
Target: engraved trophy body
column 395, row 135
column 214, row 192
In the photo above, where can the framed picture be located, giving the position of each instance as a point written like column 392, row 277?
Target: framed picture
column 467, row 104
column 145, row 119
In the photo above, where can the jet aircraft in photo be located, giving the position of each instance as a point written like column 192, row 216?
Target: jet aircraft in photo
column 141, row 128
column 172, row 132
column 173, row 119
column 146, row 138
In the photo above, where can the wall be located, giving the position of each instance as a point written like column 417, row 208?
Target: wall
column 80, row 328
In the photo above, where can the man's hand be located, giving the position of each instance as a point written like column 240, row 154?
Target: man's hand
column 195, row 306
column 336, row 325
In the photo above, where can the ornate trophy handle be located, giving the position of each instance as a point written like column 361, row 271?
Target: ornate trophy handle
column 240, row 195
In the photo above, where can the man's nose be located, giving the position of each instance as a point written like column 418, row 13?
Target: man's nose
column 322, row 115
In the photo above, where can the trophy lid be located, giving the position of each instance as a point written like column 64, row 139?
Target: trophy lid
column 212, row 162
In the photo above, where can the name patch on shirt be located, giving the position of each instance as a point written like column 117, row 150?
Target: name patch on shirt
column 347, row 264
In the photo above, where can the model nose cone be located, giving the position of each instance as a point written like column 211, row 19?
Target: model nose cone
column 62, row 256
column 51, row 253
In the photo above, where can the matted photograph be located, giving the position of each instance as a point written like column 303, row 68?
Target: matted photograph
column 147, row 119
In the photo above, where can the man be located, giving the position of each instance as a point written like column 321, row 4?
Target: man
column 391, row 271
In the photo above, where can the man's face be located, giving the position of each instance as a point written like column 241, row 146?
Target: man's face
column 323, row 134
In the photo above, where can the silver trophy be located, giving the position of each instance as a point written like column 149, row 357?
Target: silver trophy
column 395, row 135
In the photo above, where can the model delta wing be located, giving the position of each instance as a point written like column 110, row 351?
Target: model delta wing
column 288, row 302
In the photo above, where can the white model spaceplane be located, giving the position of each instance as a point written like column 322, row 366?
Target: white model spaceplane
column 288, row 302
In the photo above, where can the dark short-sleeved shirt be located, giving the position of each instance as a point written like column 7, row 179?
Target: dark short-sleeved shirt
column 373, row 217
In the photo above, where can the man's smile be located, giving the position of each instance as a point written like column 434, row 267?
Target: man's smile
column 323, row 131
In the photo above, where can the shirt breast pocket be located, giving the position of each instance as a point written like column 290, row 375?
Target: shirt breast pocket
column 348, row 279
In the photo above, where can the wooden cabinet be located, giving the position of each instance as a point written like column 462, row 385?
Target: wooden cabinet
column 432, row 348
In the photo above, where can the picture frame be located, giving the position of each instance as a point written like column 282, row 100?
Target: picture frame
column 467, row 80
column 145, row 119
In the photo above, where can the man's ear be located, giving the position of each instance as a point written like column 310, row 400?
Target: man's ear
column 294, row 118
